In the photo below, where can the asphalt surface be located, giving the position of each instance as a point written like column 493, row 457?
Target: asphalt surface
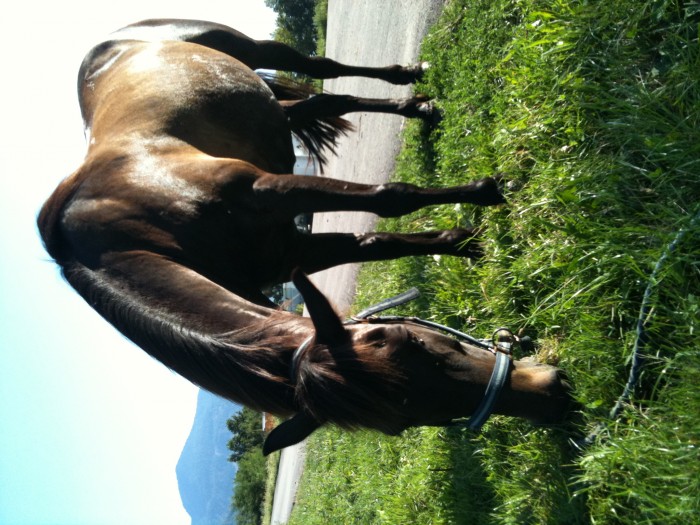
column 369, row 33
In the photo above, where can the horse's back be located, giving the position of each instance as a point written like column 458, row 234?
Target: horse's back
column 185, row 30
column 170, row 124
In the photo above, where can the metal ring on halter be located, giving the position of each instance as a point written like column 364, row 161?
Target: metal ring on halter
column 296, row 358
column 499, row 345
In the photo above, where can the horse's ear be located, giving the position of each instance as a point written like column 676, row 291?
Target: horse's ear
column 289, row 432
column 329, row 327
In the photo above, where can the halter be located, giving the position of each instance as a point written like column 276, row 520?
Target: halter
column 500, row 344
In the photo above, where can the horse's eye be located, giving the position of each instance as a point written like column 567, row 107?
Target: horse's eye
column 375, row 335
column 415, row 339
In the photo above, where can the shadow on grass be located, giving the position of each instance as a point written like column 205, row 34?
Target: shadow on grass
column 511, row 459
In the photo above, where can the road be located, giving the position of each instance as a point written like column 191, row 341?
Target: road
column 370, row 33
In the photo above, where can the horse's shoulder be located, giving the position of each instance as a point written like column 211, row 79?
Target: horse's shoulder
column 88, row 204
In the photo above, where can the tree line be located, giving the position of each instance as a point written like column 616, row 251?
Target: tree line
column 246, row 452
column 301, row 24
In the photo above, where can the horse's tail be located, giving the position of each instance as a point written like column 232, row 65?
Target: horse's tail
column 316, row 134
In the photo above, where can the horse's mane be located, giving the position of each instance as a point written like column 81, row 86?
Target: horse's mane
column 247, row 366
column 316, row 134
column 352, row 386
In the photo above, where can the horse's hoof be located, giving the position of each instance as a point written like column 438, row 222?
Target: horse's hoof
column 430, row 113
column 490, row 190
column 409, row 74
column 419, row 70
column 464, row 241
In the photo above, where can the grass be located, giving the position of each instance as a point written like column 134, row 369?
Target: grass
column 591, row 111
column 273, row 461
column 321, row 24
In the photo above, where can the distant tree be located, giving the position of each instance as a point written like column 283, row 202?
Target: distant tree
column 295, row 24
column 321, row 23
column 249, row 488
column 246, row 427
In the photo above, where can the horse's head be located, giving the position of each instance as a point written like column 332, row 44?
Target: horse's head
column 390, row 376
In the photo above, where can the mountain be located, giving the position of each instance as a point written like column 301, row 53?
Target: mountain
column 204, row 474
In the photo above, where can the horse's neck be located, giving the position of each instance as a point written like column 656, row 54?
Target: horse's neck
column 284, row 330
column 225, row 344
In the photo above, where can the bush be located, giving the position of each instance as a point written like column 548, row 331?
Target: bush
column 249, row 488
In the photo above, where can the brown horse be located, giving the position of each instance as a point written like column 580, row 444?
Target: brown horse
column 183, row 210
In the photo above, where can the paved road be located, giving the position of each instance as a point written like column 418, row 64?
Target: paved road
column 370, row 33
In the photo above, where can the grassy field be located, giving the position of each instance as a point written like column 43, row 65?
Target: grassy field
column 591, row 112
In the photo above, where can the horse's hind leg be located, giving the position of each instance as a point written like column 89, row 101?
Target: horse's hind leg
column 324, row 106
column 324, row 250
column 266, row 54
column 275, row 55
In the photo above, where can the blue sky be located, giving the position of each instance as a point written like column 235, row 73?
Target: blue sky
column 90, row 426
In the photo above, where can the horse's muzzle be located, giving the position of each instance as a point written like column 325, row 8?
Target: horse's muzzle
column 543, row 392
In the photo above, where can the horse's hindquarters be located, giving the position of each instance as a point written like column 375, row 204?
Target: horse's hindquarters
column 205, row 98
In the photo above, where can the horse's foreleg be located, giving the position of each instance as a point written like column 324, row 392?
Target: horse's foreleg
column 323, row 106
column 324, row 250
column 291, row 195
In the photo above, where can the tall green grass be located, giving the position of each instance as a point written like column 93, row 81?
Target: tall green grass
column 591, row 112
column 272, row 466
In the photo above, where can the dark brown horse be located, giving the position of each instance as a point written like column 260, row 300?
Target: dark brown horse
column 183, row 210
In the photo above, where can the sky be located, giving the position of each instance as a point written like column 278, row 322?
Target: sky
column 90, row 426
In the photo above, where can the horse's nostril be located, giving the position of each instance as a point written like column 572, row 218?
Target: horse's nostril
column 557, row 382
column 563, row 376
column 553, row 382
column 558, row 398
column 564, row 382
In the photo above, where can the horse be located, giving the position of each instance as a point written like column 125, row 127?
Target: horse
column 182, row 213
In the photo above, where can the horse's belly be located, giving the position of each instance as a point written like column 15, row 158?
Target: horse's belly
column 230, row 112
column 241, row 251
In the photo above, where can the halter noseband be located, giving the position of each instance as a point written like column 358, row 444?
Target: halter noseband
column 500, row 344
